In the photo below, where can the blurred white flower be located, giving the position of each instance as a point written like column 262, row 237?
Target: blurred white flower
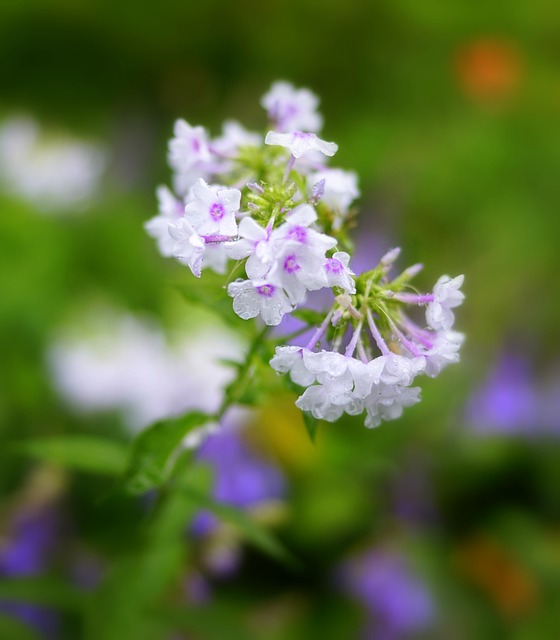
column 52, row 172
column 126, row 364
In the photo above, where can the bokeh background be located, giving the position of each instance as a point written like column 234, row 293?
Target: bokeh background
column 444, row 524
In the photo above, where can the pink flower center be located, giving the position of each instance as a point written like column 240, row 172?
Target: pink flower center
column 266, row 290
column 298, row 233
column 217, row 211
column 333, row 265
column 291, row 265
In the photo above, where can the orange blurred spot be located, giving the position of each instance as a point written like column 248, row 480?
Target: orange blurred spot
column 496, row 572
column 488, row 69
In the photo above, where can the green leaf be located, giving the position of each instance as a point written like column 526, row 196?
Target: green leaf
column 155, row 451
column 80, row 452
column 219, row 304
column 311, row 424
column 122, row 606
column 14, row 629
column 42, row 591
column 253, row 531
column 216, row 622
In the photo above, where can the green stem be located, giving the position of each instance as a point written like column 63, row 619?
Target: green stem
column 235, row 390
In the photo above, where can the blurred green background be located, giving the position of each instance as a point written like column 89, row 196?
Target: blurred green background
column 450, row 115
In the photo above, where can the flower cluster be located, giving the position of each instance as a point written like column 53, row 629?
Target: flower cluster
column 273, row 205
column 375, row 350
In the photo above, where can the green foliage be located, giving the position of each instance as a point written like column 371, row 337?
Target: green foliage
column 13, row 629
column 42, row 591
column 128, row 597
column 80, row 452
column 156, row 450
column 251, row 530
column 462, row 182
column 311, row 424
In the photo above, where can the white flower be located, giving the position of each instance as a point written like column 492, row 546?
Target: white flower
column 340, row 188
column 446, row 297
column 170, row 210
column 215, row 257
column 387, row 403
column 318, row 402
column 254, row 297
column 298, row 271
column 189, row 147
column 290, row 359
column 212, row 209
column 56, row 174
column 292, row 109
column 299, row 143
column 299, row 254
column 400, row 370
column 296, row 232
column 125, row 363
column 188, row 247
column 253, row 243
column 234, row 136
column 445, row 351
column 338, row 273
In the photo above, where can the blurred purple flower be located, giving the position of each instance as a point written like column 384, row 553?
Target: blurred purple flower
column 241, row 478
column 30, row 543
column 26, row 552
column 397, row 603
column 507, row 402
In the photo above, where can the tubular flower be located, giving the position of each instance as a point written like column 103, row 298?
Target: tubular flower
column 271, row 210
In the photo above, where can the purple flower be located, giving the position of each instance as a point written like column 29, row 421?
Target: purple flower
column 27, row 552
column 33, row 535
column 241, row 478
column 397, row 603
column 507, row 402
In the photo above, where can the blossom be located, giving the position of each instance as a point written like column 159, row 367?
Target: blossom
column 170, row 210
column 445, row 350
column 212, row 209
column 367, row 352
column 190, row 156
column 242, row 478
column 188, row 246
column 299, row 143
column 337, row 272
column 299, row 254
column 189, row 147
column 397, row 603
column 234, row 136
column 253, row 243
column 56, row 174
column 290, row 359
column 346, row 384
column 254, row 297
column 292, row 109
column 446, row 296
column 508, row 400
column 27, row 549
column 118, row 362
column 340, row 188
